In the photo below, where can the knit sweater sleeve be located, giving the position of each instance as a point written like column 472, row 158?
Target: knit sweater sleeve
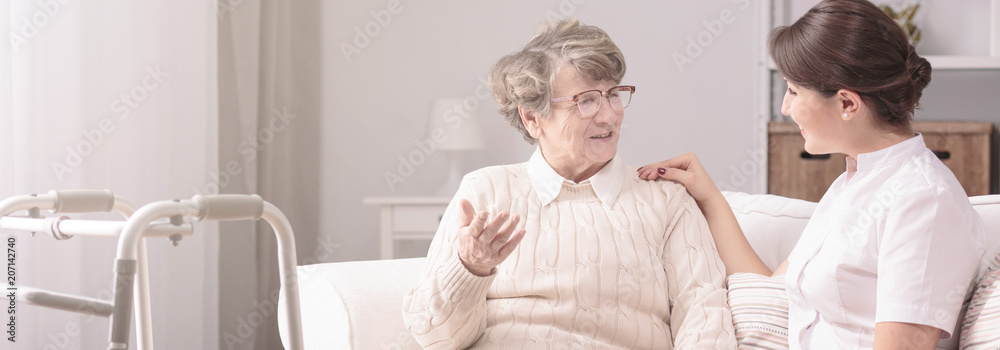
column 699, row 314
column 447, row 308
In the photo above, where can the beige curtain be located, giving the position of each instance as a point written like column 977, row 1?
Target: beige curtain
column 269, row 104
column 118, row 95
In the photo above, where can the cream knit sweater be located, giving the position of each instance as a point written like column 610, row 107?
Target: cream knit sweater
column 642, row 273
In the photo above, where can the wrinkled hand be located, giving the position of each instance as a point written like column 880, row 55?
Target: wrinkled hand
column 482, row 246
column 687, row 170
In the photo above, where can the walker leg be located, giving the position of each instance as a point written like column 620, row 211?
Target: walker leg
column 120, row 317
column 143, row 314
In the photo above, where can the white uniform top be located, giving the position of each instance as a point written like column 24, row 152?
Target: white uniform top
column 895, row 239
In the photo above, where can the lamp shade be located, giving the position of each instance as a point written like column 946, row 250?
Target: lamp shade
column 453, row 126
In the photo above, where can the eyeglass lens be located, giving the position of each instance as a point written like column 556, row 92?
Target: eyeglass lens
column 590, row 101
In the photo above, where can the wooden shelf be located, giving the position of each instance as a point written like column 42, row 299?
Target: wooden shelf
column 964, row 62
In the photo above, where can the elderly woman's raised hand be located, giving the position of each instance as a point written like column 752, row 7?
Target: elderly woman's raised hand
column 482, row 246
column 687, row 170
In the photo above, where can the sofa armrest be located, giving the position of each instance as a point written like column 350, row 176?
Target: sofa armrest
column 355, row 305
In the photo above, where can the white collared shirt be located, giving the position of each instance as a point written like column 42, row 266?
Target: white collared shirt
column 606, row 183
column 894, row 239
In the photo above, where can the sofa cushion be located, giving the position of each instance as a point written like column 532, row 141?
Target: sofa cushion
column 981, row 327
column 760, row 310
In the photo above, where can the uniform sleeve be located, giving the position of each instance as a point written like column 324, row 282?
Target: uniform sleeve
column 699, row 314
column 447, row 308
column 928, row 257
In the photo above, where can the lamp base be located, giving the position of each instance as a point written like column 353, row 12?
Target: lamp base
column 454, row 177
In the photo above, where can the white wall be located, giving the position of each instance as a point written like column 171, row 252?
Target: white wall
column 376, row 104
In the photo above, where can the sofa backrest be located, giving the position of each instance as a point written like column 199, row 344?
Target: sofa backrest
column 989, row 210
column 773, row 224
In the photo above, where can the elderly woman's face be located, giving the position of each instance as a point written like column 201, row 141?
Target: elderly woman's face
column 572, row 140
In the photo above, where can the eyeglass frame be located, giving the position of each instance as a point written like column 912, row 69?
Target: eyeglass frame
column 605, row 95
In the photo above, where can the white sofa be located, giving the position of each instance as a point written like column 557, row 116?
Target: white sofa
column 357, row 305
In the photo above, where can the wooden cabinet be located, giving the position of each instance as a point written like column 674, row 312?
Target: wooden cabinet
column 792, row 172
column 965, row 148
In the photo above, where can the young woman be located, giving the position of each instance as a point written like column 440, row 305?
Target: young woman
column 894, row 245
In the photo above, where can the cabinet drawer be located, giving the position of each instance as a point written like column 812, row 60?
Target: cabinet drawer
column 417, row 218
column 792, row 172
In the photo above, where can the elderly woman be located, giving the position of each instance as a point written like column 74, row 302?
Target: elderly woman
column 569, row 249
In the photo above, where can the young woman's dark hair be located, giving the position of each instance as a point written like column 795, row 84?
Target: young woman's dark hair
column 853, row 45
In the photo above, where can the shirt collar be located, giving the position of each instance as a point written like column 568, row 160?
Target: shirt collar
column 607, row 183
column 906, row 149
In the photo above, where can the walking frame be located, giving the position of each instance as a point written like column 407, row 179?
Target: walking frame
column 157, row 219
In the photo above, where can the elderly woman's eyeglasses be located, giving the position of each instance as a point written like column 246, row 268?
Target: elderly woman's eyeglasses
column 590, row 101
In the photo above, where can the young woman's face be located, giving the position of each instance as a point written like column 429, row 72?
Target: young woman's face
column 818, row 118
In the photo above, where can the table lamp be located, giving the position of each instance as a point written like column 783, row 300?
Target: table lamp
column 454, row 128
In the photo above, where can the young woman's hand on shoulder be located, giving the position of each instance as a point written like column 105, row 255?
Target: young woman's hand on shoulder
column 687, row 170
column 734, row 249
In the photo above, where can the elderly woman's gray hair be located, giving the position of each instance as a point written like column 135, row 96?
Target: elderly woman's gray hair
column 525, row 77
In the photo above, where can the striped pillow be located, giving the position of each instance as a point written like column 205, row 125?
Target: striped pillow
column 760, row 310
column 981, row 327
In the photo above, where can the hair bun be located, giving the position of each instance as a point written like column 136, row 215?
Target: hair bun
column 920, row 70
column 830, row 48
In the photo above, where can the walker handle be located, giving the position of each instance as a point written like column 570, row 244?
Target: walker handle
column 65, row 302
column 83, row 201
column 226, row 207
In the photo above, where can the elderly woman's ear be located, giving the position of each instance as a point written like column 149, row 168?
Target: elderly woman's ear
column 530, row 120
